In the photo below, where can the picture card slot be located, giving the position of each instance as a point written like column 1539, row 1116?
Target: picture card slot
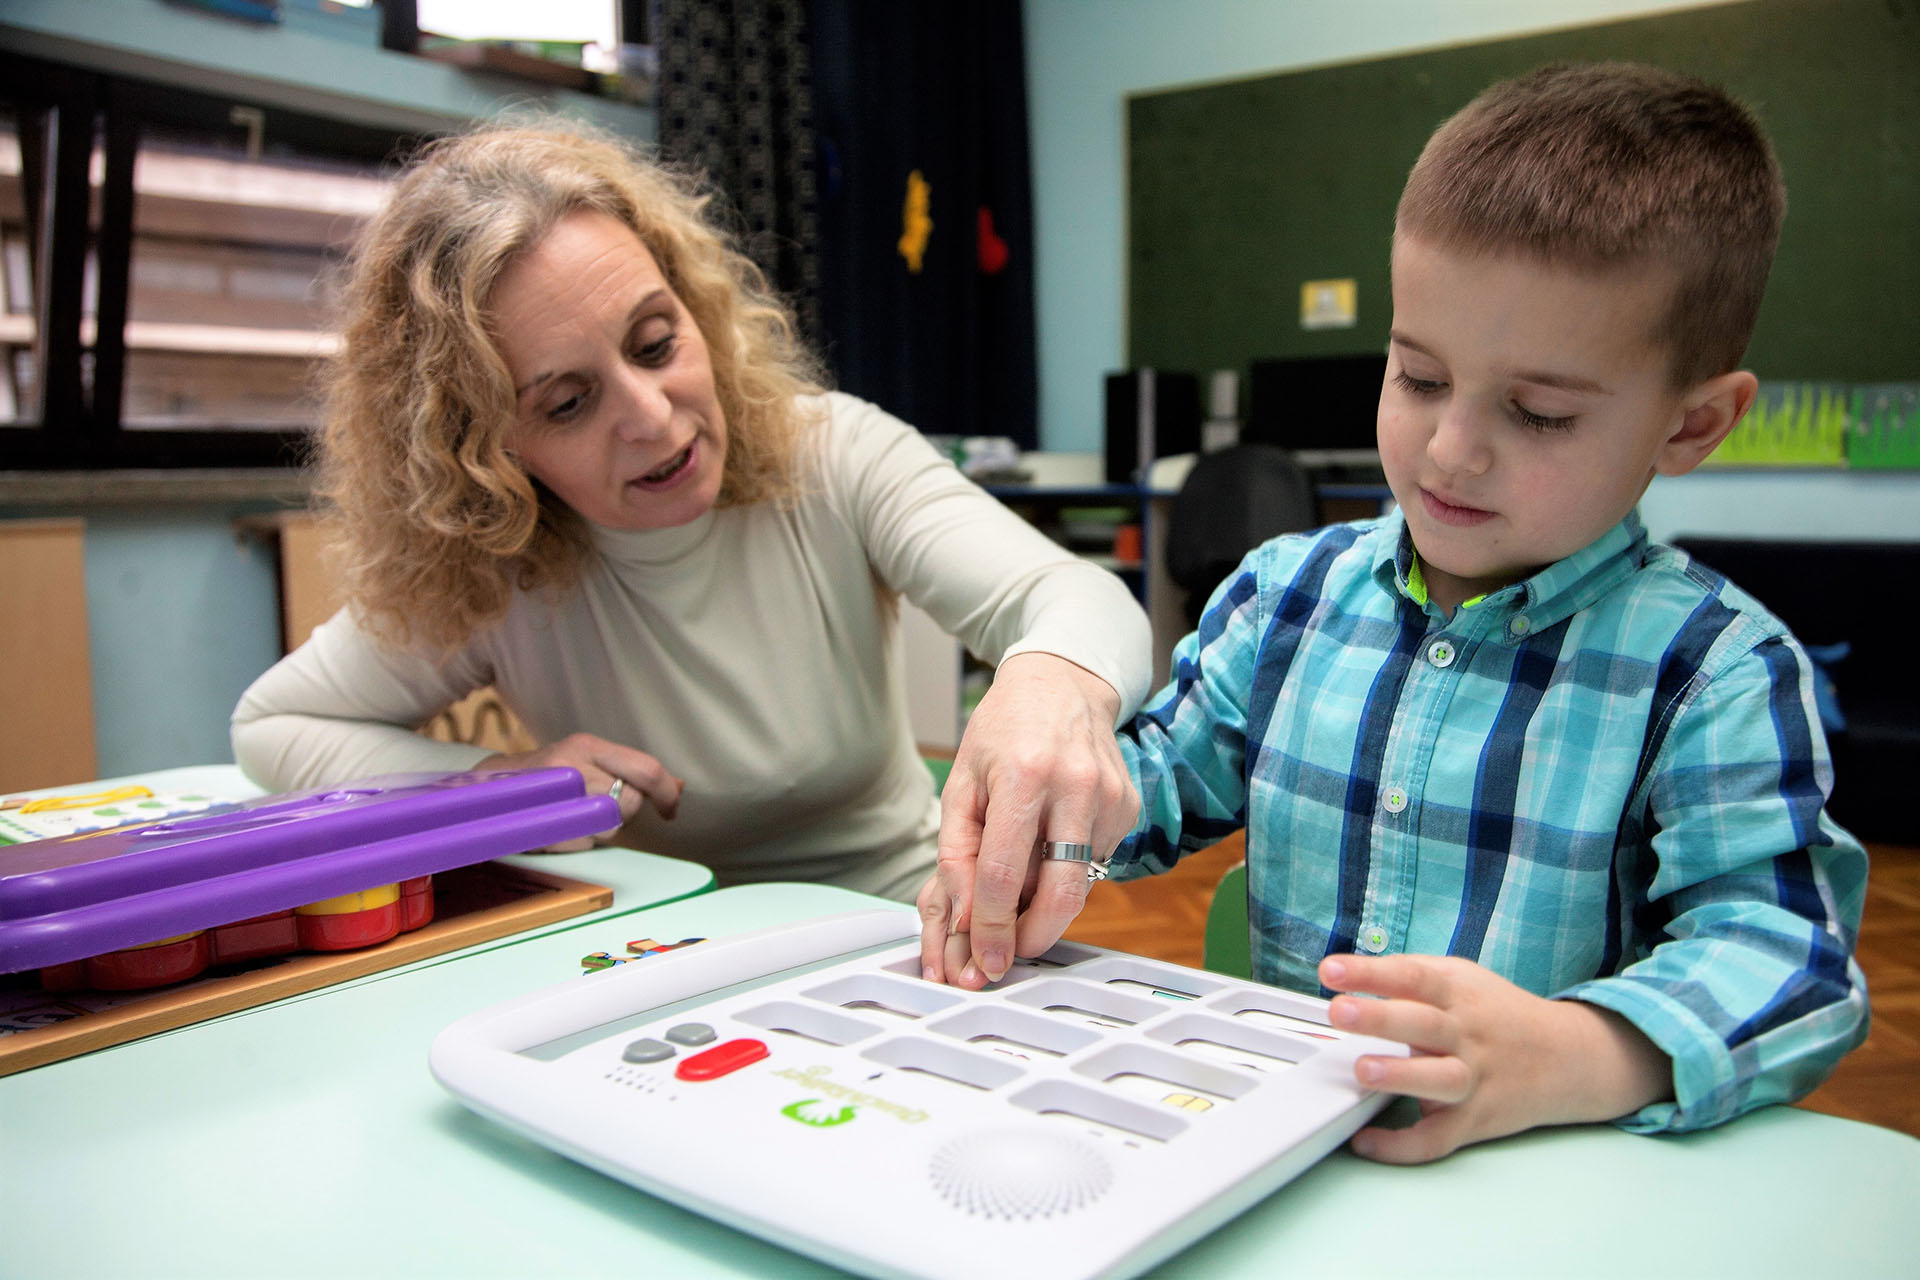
column 1100, row 1110
column 1024, row 968
column 1144, row 978
column 1288, row 1023
column 948, row 1062
column 1013, row 1031
column 883, row 994
column 1164, row 1093
column 1138, row 1069
column 1278, row 1010
column 1061, row 955
column 807, row 1021
column 1233, row 1042
column 1082, row 1001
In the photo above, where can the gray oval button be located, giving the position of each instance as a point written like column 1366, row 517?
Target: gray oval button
column 647, row 1049
column 691, row 1033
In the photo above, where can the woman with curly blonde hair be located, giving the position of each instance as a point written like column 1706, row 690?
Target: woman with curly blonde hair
column 573, row 449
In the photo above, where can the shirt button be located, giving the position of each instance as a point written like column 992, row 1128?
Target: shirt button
column 1394, row 800
column 1441, row 653
column 1519, row 624
column 1373, row 938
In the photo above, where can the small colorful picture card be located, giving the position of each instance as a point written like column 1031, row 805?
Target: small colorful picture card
column 42, row 818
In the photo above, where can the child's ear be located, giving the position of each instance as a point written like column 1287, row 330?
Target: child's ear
column 1708, row 412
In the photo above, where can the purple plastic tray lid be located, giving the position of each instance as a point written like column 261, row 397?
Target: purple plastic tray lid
column 74, row 896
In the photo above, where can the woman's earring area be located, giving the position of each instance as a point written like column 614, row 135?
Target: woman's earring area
column 1069, row 851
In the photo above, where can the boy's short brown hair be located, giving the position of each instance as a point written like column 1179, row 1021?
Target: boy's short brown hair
column 1602, row 165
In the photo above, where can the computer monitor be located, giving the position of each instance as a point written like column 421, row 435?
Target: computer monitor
column 1315, row 404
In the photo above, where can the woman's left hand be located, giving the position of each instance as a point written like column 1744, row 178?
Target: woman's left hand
column 1038, row 762
column 641, row 779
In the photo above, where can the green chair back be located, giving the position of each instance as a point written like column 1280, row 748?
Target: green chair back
column 1228, row 949
column 939, row 767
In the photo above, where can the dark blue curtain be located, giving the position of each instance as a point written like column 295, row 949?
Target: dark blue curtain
column 875, row 155
column 736, row 101
column 925, row 211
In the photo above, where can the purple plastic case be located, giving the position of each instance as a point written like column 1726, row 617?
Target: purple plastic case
column 83, row 895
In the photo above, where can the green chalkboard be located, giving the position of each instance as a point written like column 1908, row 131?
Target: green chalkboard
column 1240, row 192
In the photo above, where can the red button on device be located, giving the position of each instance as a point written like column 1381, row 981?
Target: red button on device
column 722, row 1058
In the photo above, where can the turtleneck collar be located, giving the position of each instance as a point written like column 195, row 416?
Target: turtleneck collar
column 653, row 547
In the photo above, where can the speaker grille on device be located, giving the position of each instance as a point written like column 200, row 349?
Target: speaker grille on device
column 1017, row 1173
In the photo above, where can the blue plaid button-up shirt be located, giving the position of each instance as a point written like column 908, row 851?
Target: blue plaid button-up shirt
column 1606, row 782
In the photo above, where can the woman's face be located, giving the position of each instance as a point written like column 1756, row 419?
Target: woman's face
column 614, row 405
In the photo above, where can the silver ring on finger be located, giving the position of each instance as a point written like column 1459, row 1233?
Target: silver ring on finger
column 613, row 792
column 1071, row 851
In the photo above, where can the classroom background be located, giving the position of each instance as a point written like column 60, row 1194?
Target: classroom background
column 182, row 599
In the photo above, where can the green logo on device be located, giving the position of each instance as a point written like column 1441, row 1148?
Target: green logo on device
column 799, row 1111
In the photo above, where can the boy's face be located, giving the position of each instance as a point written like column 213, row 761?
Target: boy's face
column 1524, row 410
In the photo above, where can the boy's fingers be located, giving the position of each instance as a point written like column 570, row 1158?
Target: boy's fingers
column 1439, row 1133
column 1420, row 978
column 1436, row 1078
column 1421, row 1026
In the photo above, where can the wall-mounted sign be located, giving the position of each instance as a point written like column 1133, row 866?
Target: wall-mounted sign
column 1329, row 304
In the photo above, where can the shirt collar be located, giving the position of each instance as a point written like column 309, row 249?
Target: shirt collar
column 644, row 547
column 1553, row 594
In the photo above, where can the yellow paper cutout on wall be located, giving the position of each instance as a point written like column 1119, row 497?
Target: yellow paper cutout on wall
column 1329, row 304
column 915, row 222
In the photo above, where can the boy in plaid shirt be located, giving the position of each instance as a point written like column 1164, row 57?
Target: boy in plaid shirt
column 1554, row 794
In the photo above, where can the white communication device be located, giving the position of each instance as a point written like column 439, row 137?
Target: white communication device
column 1088, row 1115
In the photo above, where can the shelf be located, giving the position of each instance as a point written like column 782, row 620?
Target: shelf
column 199, row 339
column 291, row 69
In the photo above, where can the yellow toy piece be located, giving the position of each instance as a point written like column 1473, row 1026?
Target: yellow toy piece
column 346, row 903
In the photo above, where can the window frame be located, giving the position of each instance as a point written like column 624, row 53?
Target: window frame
column 80, row 429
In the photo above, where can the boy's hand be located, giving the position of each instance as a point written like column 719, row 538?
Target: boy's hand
column 1489, row 1058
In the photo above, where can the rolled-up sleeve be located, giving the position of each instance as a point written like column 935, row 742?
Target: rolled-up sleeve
column 1747, row 926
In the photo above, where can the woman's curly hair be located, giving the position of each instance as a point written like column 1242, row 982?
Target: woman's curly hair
column 436, row 522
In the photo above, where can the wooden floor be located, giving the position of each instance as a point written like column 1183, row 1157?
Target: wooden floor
column 1165, row 916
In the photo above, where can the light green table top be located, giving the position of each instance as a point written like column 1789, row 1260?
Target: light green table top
column 306, row 1138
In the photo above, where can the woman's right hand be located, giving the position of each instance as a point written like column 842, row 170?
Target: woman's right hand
column 600, row 763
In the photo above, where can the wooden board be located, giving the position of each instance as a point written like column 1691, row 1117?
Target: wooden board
column 46, row 682
column 471, row 904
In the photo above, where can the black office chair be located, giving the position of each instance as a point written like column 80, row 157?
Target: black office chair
column 1231, row 502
